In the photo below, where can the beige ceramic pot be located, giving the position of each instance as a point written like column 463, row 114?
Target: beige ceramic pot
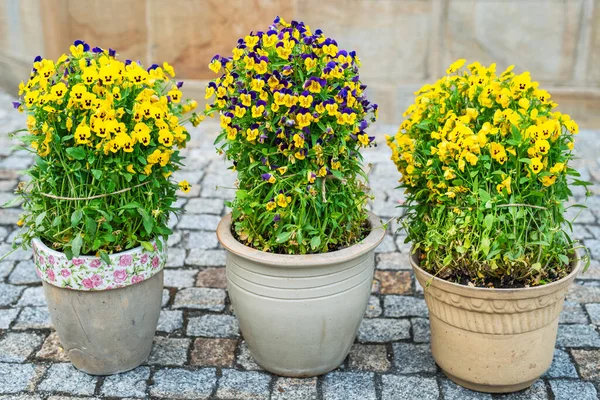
column 493, row 340
column 105, row 315
column 299, row 314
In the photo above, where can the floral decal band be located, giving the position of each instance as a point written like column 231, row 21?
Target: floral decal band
column 90, row 273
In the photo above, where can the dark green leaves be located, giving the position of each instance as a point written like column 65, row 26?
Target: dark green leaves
column 77, row 153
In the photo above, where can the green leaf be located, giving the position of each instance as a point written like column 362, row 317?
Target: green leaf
column 315, row 242
column 563, row 258
column 284, row 236
column 485, row 246
column 485, row 196
column 488, row 221
column 147, row 245
column 77, row 153
column 40, row 218
column 76, row 245
column 97, row 173
column 13, row 202
column 104, row 257
column 536, row 267
column 76, row 217
column 448, row 259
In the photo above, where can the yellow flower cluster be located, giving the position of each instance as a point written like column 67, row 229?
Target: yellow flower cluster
column 473, row 123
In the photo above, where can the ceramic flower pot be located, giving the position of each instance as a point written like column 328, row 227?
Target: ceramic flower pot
column 493, row 340
column 105, row 315
column 299, row 314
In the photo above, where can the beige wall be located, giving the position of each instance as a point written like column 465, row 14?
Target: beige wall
column 402, row 43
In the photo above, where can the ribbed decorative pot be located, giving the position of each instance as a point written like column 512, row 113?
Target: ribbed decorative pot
column 300, row 314
column 105, row 315
column 493, row 340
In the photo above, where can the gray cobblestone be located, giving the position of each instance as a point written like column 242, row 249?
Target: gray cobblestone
column 64, row 378
column 420, row 330
column 405, row 387
column 15, row 378
column 241, row 385
column 565, row 389
column 7, row 316
column 593, row 311
column 24, row 273
column 577, row 336
column 170, row 321
column 129, row 384
column 9, row 294
column 201, row 299
column 180, row 278
column 176, row 257
column 206, row 258
column 537, row 391
column 220, row 326
column 245, row 359
column 205, row 206
column 562, row 366
column 169, row 351
column 373, row 307
column 349, row 386
column 203, row 222
column 6, row 267
column 178, row 383
column 404, row 306
column 202, row 240
column 17, row 347
column 33, row 318
column 33, row 296
column 410, row 358
column 381, row 330
column 387, row 245
column 368, row 357
column 572, row 313
column 395, row 261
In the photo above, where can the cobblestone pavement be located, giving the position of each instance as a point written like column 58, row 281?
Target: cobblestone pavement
column 199, row 352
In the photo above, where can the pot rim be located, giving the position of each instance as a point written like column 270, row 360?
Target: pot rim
column 369, row 243
column 482, row 292
column 36, row 241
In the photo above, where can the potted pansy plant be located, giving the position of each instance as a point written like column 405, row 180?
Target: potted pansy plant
column 300, row 241
column 484, row 160
column 105, row 136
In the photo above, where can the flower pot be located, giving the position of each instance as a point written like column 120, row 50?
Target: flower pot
column 299, row 314
column 493, row 340
column 105, row 315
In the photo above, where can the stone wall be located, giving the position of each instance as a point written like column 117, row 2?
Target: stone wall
column 402, row 43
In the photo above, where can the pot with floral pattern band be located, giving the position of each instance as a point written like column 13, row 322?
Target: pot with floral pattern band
column 105, row 315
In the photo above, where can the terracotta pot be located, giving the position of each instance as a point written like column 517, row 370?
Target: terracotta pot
column 105, row 315
column 299, row 314
column 493, row 340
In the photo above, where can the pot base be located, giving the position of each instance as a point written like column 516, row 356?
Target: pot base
column 490, row 388
column 106, row 332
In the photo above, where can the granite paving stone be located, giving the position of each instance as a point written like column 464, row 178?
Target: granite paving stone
column 128, row 384
column 33, row 296
column 180, row 278
column 23, row 273
column 245, row 358
column 6, row 267
column 65, row 378
column 577, row 336
column 206, row 258
column 242, row 385
column 387, row 245
column 537, row 391
column 420, row 330
column 381, row 330
column 398, row 387
column 213, row 325
column 566, row 389
column 18, row 346
column 170, row 320
column 295, row 389
column 204, row 206
column 15, row 378
column 593, row 310
column 9, row 294
column 169, row 351
column 201, row 299
column 562, row 366
column 52, row 350
column 368, row 357
column 573, row 313
column 404, row 306
column 349, row 386
column 176, row 257
column 392, row 261
column 179, row 383
column 33, row 318
column 212, row 277
column 588, row 362
column 214, row 352
column 373, row 307
column 202, row 240
column 7, row 316
column 410, row 358
column 204, row 222
column 394, row 282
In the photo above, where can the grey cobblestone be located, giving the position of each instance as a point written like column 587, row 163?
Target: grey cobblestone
column 420, row 330
column 201, row 299
column 202, row 240
column 381, row 330
column 295, row 389
column 6, row 267
column 169, row 351
column 577, row 336
column 23, row 273
column 176, row 257
column 178, row 383
column 203, row 222
column 373, row 308
column 17, row 347
column 241, row 385
column 170, row 321
column 573, row 313
column 33, row 296
column 562, row 366
column 566, row 389
column 33, row 318
column 349, row 386
column 452, row 391
column 206, row 258
column 245, row 359
column 7, row 316
column 410, row 358
column 9, row 294
column 405, row 387
column 537, row 391
column 593, row 311
column 180, row 278
column 219, row 326
column 404, row 306
column 205, row 206
column 64, row 378
column 129, row 384
column 15, row 378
